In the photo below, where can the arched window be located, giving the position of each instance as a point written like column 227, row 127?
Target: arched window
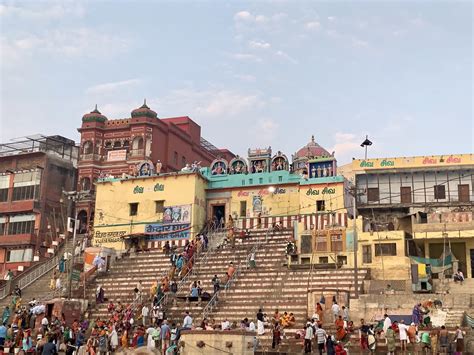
column 85, row 184
column 88, row 148
column 137, row 143
column 126, row 144
column 117, row 144
column 108, row 145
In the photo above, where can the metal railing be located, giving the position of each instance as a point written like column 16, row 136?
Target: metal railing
column 214, row 300
column 212, row 244
column 31, row 275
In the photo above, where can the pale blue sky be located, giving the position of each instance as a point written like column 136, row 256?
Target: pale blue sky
column 252, row 74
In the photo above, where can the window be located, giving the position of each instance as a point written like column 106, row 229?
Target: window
column 183, row 160
column 133, row 209
column 260, row 180
column 439, row 192
column 19, row 255
column 405, row 194
column 306, row 244
column 280, row 178
column 320, row 206
column 175, row 158
column 341, row 260
column 323, row 260
column 336, row 242
column 321, row 243
column 3, row 224
column 366, row 254
column 243, row 182
column 243, row 208
column 126, row 143
column 117, row 144
column 85, row 184
column 88, row 148
column 4, row 184
column 26, row 185
column 21, row 224
column 250, row 181
column 373, row 194
column 159, row 206
column 108, row 145
column 463, row 193
column 386, row 249
column 137, row 143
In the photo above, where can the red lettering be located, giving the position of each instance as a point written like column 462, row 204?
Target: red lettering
column 242, row 193
column 429, row 161
column 453, row 160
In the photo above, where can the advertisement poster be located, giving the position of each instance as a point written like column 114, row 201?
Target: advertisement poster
column 257, row 203
column 177, row 214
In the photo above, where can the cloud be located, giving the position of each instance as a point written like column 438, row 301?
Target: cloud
column 43, row 11
column 83, row 42
column 265, row 131
column 259, row 45
column 358, row 43
column 246, row 77
column 346, row 146
column 210, row 104
column 287, row 57
column 246, row 57
column 313, row 25
column 113, row 86
column 331, row 18
column 243, row 16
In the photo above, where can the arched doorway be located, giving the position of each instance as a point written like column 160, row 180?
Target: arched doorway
column 82, row 217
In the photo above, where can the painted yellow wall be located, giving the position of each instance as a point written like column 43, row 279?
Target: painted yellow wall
column 386, row 267
column 112, row 214
column 332, row 194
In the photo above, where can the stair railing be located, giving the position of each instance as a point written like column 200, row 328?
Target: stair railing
column 214, row 300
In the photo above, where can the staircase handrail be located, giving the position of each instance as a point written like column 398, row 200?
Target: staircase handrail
column 29, row 276
column 164, row 298
column 213, row 301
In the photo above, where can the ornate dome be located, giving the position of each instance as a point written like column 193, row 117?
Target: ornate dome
column 311, row 150
column 94, row 116
column 144, row 111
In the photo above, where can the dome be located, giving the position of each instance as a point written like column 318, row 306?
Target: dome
column 94, row 116
column 144, row 111
column 312, row 150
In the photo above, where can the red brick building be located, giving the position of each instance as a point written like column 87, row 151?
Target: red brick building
column 33, row 174
column 116, row 147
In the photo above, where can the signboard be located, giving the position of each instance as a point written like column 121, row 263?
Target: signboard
column 160, row 231
column 75, row 275
column 413, row 162
column 117, row 155
column 177, row 214
column 108, row 237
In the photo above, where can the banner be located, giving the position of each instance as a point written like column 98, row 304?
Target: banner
column 117, row 155
column 160, row 231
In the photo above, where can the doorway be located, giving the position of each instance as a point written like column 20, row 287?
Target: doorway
column 472, row 263
column 218, row 215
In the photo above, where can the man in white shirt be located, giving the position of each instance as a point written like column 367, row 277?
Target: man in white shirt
column 225, row 325
column 251, row 327
column 188, row 321
column 321, row 339
column 335, row 311
column 308, row 338
column 402, row 327
column 45, row 323
column 145, row 312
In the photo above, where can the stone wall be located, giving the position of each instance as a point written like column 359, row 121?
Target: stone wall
column 217, row 342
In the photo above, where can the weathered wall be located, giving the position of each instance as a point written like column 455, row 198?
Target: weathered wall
column 241, row 342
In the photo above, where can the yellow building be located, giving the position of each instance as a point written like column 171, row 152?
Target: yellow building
column 420, row 207
column 151, row 209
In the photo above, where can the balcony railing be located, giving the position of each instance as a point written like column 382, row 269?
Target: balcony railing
column 137, row 152
column 93, row 157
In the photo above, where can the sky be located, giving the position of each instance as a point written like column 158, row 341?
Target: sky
column 252, row 74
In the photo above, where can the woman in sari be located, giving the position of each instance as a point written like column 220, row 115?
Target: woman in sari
column 340, row 331
column 391, row 345
column 320, row 312
column 371, row 340
column 124, row 339
column 6, row 314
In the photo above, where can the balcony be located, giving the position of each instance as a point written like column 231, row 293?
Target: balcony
column 441, row 227
column 137, row 153
column 17, row 239
column 19, row 206
column 91, row 157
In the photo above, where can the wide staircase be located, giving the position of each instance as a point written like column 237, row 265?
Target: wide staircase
column 271, row 285
column 122, row 278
